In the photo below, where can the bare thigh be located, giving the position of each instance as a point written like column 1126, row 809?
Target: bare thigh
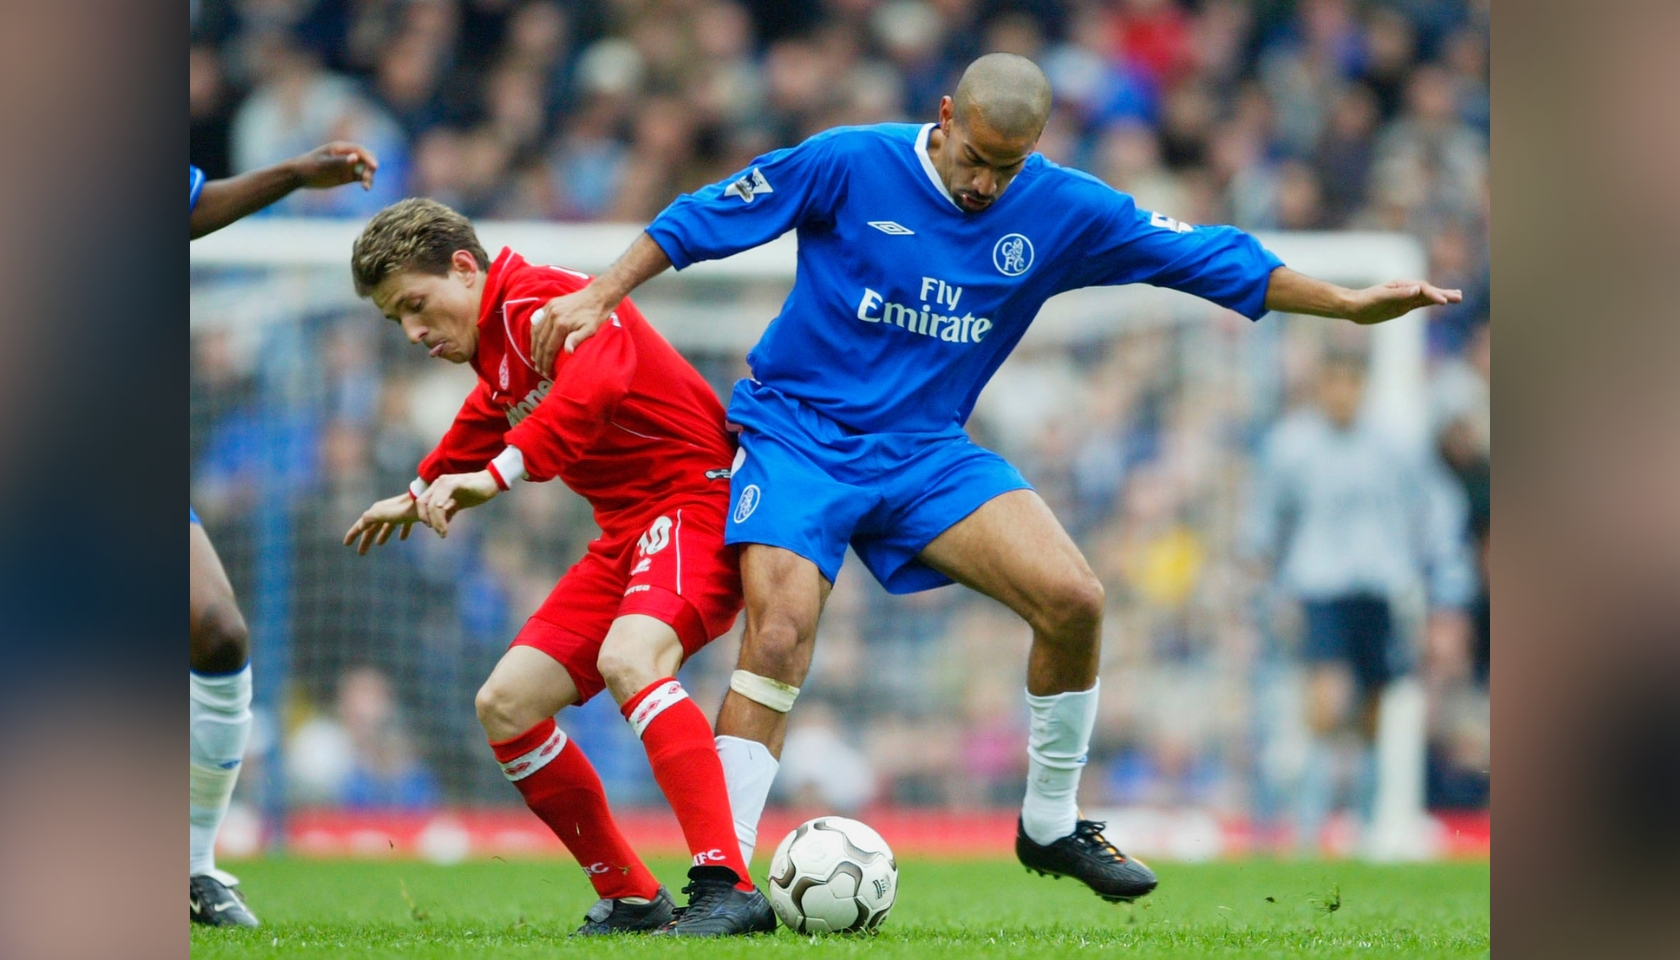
column 526, row 688
column 1013, row 550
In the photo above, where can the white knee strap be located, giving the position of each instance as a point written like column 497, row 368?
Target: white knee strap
column 774, row 694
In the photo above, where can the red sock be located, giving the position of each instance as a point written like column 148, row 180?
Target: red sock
column 685, row 762
column 561, row 787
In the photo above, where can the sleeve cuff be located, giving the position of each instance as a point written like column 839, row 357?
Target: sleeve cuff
column 416, row 487
column 508, row 466
column 1272, row 262
column 668, row 241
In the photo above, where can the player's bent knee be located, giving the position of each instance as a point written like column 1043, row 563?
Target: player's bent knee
column 625, row 664
column 221, row 643
column 1073, row 609
column 501, row 711
column 777, row 648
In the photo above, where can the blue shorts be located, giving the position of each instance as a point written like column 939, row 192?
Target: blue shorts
column 1357, row 630
column 192, row 515
column 807, row 484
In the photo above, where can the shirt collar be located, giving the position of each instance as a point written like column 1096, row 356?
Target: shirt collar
column 490, row 301
column 927, row 165
column 495, row 279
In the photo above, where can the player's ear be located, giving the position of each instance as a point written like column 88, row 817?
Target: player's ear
column 464, row 263
column 946, row 111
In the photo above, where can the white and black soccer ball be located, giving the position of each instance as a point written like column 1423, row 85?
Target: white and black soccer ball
column 833, row 875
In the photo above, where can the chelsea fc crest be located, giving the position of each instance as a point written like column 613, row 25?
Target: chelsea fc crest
column 1013, row 255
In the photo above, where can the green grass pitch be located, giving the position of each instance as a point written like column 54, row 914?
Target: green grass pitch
column 984, row 908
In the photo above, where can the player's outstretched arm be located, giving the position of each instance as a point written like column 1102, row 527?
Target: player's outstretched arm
column 221, row 202
column 379, row 521
column 1292, row 292
column 452, row 493
column 569, row 320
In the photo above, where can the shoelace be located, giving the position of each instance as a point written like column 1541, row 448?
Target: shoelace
column 1090, row 834
column 704, row 895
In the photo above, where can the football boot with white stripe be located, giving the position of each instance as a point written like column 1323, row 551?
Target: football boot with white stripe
column 216, row 901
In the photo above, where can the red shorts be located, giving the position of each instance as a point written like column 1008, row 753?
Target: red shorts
column 677, row 569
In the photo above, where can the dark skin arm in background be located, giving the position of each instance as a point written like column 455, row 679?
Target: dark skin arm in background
column 221, row 202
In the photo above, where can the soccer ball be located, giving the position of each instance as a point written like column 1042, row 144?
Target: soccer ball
column 833, row 875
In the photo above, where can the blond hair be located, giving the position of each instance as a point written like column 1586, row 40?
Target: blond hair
column 417, row 235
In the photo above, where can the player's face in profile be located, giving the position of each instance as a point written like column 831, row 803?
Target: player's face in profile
column 439, row 313
column 978, row 161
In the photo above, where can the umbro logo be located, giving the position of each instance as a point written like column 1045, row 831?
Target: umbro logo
column 892, row 229
column 749, row 186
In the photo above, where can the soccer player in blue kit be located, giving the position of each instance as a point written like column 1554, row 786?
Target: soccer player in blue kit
column 219, row 648
column 924, row 253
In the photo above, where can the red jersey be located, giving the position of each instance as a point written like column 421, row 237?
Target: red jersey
column 626, row 422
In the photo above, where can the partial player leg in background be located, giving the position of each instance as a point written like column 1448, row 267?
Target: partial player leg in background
column 1346, row 647
column 219, row 724
column 784, row 595
column 1013, row 550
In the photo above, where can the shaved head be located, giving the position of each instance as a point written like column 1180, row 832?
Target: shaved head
column 1010, row 94
column 988, row 129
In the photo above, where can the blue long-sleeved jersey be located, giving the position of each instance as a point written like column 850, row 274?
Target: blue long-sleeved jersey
column 903, row 304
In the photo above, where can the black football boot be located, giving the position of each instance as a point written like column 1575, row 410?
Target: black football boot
column 716, row 908
column 622, row 916
column 216, row 901
column 1088, row 857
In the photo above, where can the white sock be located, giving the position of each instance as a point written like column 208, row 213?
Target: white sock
column 748, row 771
column 1057, row 741
column 219, row 723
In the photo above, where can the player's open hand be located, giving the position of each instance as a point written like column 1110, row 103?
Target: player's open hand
column 379, row 521
column 1397, row 298
column 452, row 493
column 335, row 164
column 564, row 323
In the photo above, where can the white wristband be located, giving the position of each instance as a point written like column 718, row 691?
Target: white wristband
column 510, row 465
column 417, row 488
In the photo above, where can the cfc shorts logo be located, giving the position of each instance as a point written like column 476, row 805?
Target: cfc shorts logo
column 747, row 504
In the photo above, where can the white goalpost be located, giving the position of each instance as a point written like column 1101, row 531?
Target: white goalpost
column 262, row 271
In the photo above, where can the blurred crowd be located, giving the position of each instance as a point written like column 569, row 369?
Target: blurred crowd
column 1149, row 444
column 1271, row 114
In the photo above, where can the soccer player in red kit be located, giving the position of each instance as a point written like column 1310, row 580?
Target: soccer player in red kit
column 633, row 428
